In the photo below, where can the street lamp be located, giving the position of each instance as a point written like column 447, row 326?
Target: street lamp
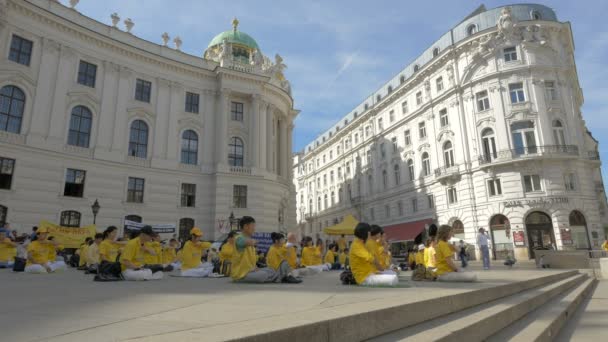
column 232, row 221
column 95, row 208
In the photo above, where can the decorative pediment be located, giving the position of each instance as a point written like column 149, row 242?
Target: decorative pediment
column 408, row 154
column 190, row 122
column 141, row 111
column 16, row 77
column 424, row 146
column 445, row 133
column 485, row 121
column 84, row 98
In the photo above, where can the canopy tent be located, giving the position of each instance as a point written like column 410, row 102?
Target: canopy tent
column 346, row 227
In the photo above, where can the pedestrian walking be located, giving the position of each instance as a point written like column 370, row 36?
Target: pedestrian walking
column 462, row 253
column 482, row 242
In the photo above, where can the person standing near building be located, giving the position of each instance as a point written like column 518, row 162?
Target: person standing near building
column 462, row 253
column 483, row 243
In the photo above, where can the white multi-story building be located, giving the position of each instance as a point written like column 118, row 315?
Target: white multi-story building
column 482, row 130
column 89, row 111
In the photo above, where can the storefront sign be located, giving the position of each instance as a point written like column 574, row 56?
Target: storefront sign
column 518, row 238
column 535, row 202
column 158, row 228
column 566, row 235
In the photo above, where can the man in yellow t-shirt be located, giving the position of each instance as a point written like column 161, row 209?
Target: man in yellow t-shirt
column 447, row 270
column 192, row 254
column 8, row 251
column 277, row 258
column 38, row 254
column 366, row 269
column 244, row 269
column 132, row 258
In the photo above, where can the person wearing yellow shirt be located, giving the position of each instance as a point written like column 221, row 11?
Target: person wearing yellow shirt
column 153, row 251
column 411, row 258
column 38, row 254
column 244, row 269
column 331, row 257
column 277, row 259
column 192, row 254
column 375, row 245
column 342, row 243
column 8, row 251
column 132, row 258
column 292, row 258
column 82, row 253
column 605, row 245
column 109, row 248
column 343, row 258
column 366, row 269
column 429, row 255
column 420, row 255
column 93, row 252
column 311, row 256
column 169, row 255
column 447, row 270
column 226, row 253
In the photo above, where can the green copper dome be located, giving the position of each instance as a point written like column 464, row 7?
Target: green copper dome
column 234, row 36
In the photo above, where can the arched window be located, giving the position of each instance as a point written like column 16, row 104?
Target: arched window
column 70, row 218
column 558, row 133
column 410, row 169
column 416, row 68
column 389, row 89
column 578, row 231
column 339, row 194
column 488, row 141
column 524, row 138
column 535, row 15
column 458, row 229
column 134, row 218
column 385, row 179
column 333, row 198
column 426, row 164
column 138, row 139
column 402, row 79
column 189, row 147
column 378, row 97
column 319, row 204
column 397, row 172
column 3, row 214
column 448, row 154
column 325, row 205
column 185, row 225
column 80, row 127
column 471, row 29
column 436, row 52
column 235, row 152
column 310, row 205
column 12, row 104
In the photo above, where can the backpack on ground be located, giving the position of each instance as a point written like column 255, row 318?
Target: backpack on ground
column 421, row 273
column 347, row 278
column 19, row 265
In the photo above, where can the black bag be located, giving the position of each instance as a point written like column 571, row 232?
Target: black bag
column 19, row 265
column 106, row 268
column 347, row 278
column 74, row 260
column 104, row 277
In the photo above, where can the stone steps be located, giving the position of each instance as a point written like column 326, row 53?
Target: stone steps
column 482, row 321
column 545, row 323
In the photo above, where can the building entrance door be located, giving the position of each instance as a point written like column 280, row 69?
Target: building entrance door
column 540, row 232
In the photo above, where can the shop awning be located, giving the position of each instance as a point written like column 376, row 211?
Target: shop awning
column 346, row 227
column 406, row 231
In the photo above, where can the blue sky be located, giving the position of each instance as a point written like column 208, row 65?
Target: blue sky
column 338, row 52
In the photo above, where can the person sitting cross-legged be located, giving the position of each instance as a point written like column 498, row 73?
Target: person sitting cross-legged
column 447, row 270
column 331, row 257
column 38, row 252
column 366, row 269
column 244, row 268
column 226, row 253
column 192, row 253
column 277, row 258
column 292, row 258
column 170, row 255
column 312, row 257
column 132, row 258
column 8, row 251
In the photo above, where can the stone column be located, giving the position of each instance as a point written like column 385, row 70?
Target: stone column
column 43, row 101
column 163, row 113
column 209, row 135
column 263, row 135
column 282, row 148
column 289, row 151
column 105, row 116
column 176, row 103
column 270, row 139
column 65, row 78
column 125, row 91
column 254, row 130
column 222, row 127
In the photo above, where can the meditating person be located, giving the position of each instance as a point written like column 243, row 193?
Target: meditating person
column 153, row 251
column 311, row 256
column 429, row 255
column 54, row 257
column 8, row 251
column 132, row 258
column 366, row 269
column 277, row 258
column 226, row 253
column 169, row 255
column 447, row 270
column 292, row 251
column 331, row 257
column 342, row 243
column 420, row 255
column 192, row 255
column 82, row 253
column 244, row 268
column 109, row 248
column 375, row 245
column 344, row 258
column 93, row 257
column 38, row 252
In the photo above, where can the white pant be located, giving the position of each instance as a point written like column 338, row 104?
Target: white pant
column 201, row 271
column 381, row 279
column 176, row 266
column 307, row 271
column 142, row 274
column 54, row 266
column 462, row 277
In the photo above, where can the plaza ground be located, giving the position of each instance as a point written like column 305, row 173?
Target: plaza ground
column 69, row 306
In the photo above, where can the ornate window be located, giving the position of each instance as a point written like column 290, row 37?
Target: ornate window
column 443, row 117
column 21, row 50
column 385, row 179
column 80, row 127
column 192, row 101
column 439, row 83
column 524, row 138
column 236, row 152
column 448, row 154
column 189, row 147
column 70, row 218
column 426, row 164
column 143, row 89
column 510, row 54
column 489, row 144
column 416, row 68
column 436, row 52
column 138, row 139
column 12, row 104
column 471, row 29
column 188, row 196
column 558, row 133
column 239, row 196
column 516, row 92
column 74, row 183
column 135, row 190
column 236, row 111
column 7, row 167
column 410, row 169
column 397, row 172
column 483, row 101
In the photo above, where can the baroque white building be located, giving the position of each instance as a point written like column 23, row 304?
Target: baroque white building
column 483, row 130
column 89, row 111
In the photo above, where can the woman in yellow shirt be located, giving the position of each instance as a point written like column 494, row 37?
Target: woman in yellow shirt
column 366, row 269
column 447, row 270
column 277, row 255
column 605, row 245
column 429, row 255
column 8, row 251
column 330, row 257
column 226, row 253
column 420, row 255
column 192, row 254
column 109, row 248
column 375, row 245
column 311, row 256
column 344, row 258
column 38, row 254
column 169, row 255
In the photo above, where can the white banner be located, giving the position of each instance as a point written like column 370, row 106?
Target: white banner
column 158, row 228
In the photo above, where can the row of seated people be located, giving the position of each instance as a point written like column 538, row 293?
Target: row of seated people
column 39, row 255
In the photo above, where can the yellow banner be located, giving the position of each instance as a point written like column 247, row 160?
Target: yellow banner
column 67, row 236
